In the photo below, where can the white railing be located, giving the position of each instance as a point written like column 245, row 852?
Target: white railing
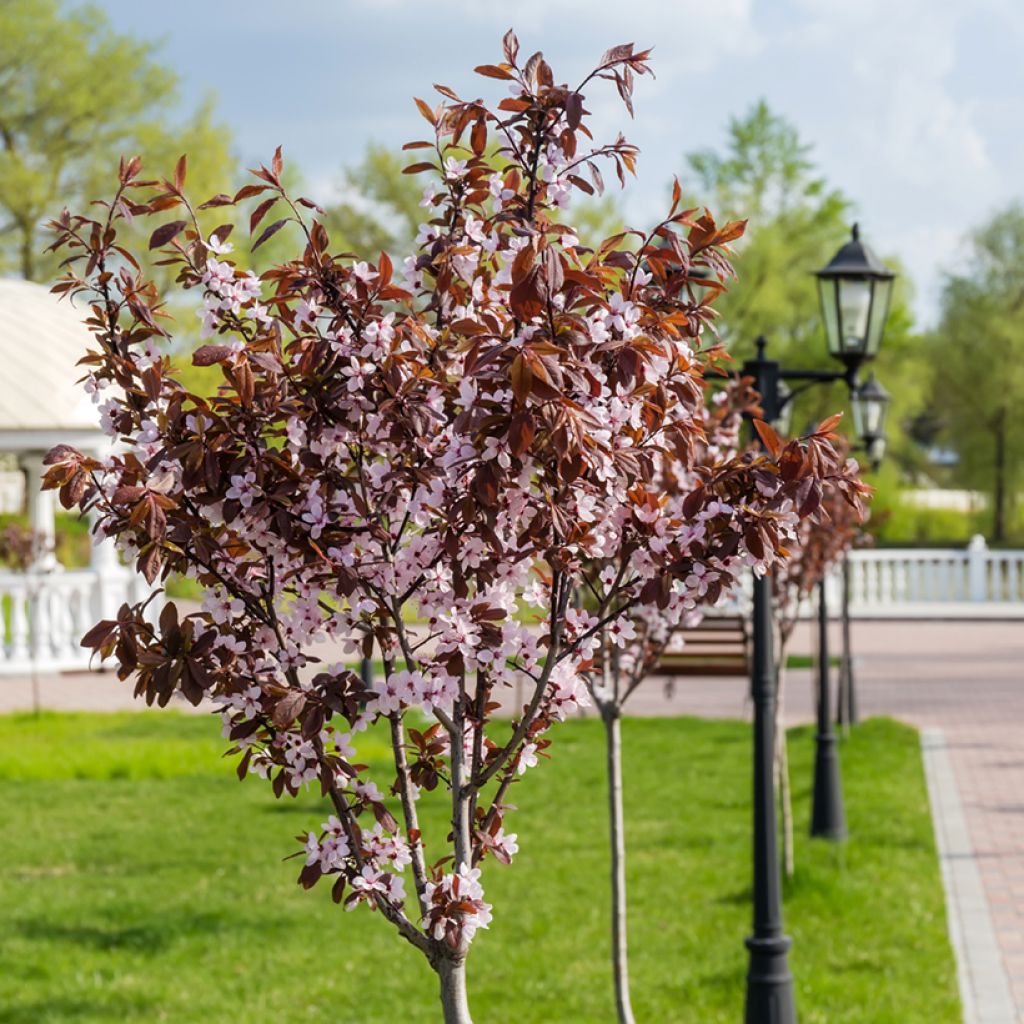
column 889, row 581
column 44, row 615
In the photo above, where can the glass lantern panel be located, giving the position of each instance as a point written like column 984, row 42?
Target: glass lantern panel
column 876, row 451
column 830, row 314
column 854, row 309
column 857, row 408
column 784, row 421
column 874, row 417
column 879, row 314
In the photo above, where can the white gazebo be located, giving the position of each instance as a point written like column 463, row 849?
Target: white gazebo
column 47, row 609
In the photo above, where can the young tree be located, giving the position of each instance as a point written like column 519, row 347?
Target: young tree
column 458, row 442
column 818, row 547
column 74, row 91
column 630, row 648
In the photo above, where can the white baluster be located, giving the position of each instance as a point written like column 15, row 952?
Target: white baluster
column 60, row 622
column 19, row 625
column 916, row 582
column 977, row 563
column 4, row 604
column 81, row 620
column 993, row 577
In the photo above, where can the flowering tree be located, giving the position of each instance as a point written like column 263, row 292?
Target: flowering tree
column 630, row 647
column 819, row 546
column 452, row 444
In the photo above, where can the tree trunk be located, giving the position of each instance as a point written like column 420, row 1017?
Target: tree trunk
column 620, row 951
column 28, row 255
column 454, row 1002
column 782, row 767
column 999, row 497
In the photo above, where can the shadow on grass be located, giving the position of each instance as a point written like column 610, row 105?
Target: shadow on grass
column 151, row 937
column 69, row 1008
column 740, row 898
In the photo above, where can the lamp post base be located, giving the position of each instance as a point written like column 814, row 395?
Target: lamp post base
column 769, row 982
column 828, row 816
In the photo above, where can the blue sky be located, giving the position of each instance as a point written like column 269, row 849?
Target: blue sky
column 914, row 107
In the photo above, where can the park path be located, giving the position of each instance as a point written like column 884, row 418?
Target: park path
column 961, row 682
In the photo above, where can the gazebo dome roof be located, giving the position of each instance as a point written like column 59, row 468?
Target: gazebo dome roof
column 42, row 337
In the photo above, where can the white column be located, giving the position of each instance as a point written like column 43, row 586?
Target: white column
column 110, row 578
column 977, row 557
column 41, row 510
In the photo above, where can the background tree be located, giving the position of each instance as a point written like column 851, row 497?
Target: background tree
column 73, row 91
column 795, row 222
column 978, row 355
column 379, row 208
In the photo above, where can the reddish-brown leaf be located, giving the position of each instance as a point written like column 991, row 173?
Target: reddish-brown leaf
column 522, row 378
column 494, row 71
column 207, row 355
column 769, row 438
column 165, row 233
column 288, row 708
column 521, row 432
column 270, row 232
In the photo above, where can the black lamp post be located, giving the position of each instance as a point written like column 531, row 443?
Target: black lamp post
column 870, row 408
column 855, row 290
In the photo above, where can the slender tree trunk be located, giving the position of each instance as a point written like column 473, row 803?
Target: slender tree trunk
column 999, row 497
column 782, row 763
column 612, row 719
column 454, row 1001
column 28, row 255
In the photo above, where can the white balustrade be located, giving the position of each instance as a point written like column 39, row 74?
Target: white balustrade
column 45, row 614
column 890, row 581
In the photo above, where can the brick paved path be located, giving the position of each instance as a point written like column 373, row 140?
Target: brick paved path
column 963, row 678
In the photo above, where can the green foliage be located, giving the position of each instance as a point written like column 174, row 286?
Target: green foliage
column 76, row 96
column 379, row 209
column 978, row 353
column 796, row 221
column 141, row 882
column 73, row 543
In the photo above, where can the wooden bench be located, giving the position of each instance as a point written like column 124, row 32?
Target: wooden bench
column 718, row 646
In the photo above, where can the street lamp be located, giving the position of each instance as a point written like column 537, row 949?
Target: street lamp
column 870, row 404
column 855, row 290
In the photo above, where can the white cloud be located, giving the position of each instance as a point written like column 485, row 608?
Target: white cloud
column 898, row 105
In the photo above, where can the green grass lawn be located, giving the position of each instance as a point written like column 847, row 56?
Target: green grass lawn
column 141, row 882
column 807, row 661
